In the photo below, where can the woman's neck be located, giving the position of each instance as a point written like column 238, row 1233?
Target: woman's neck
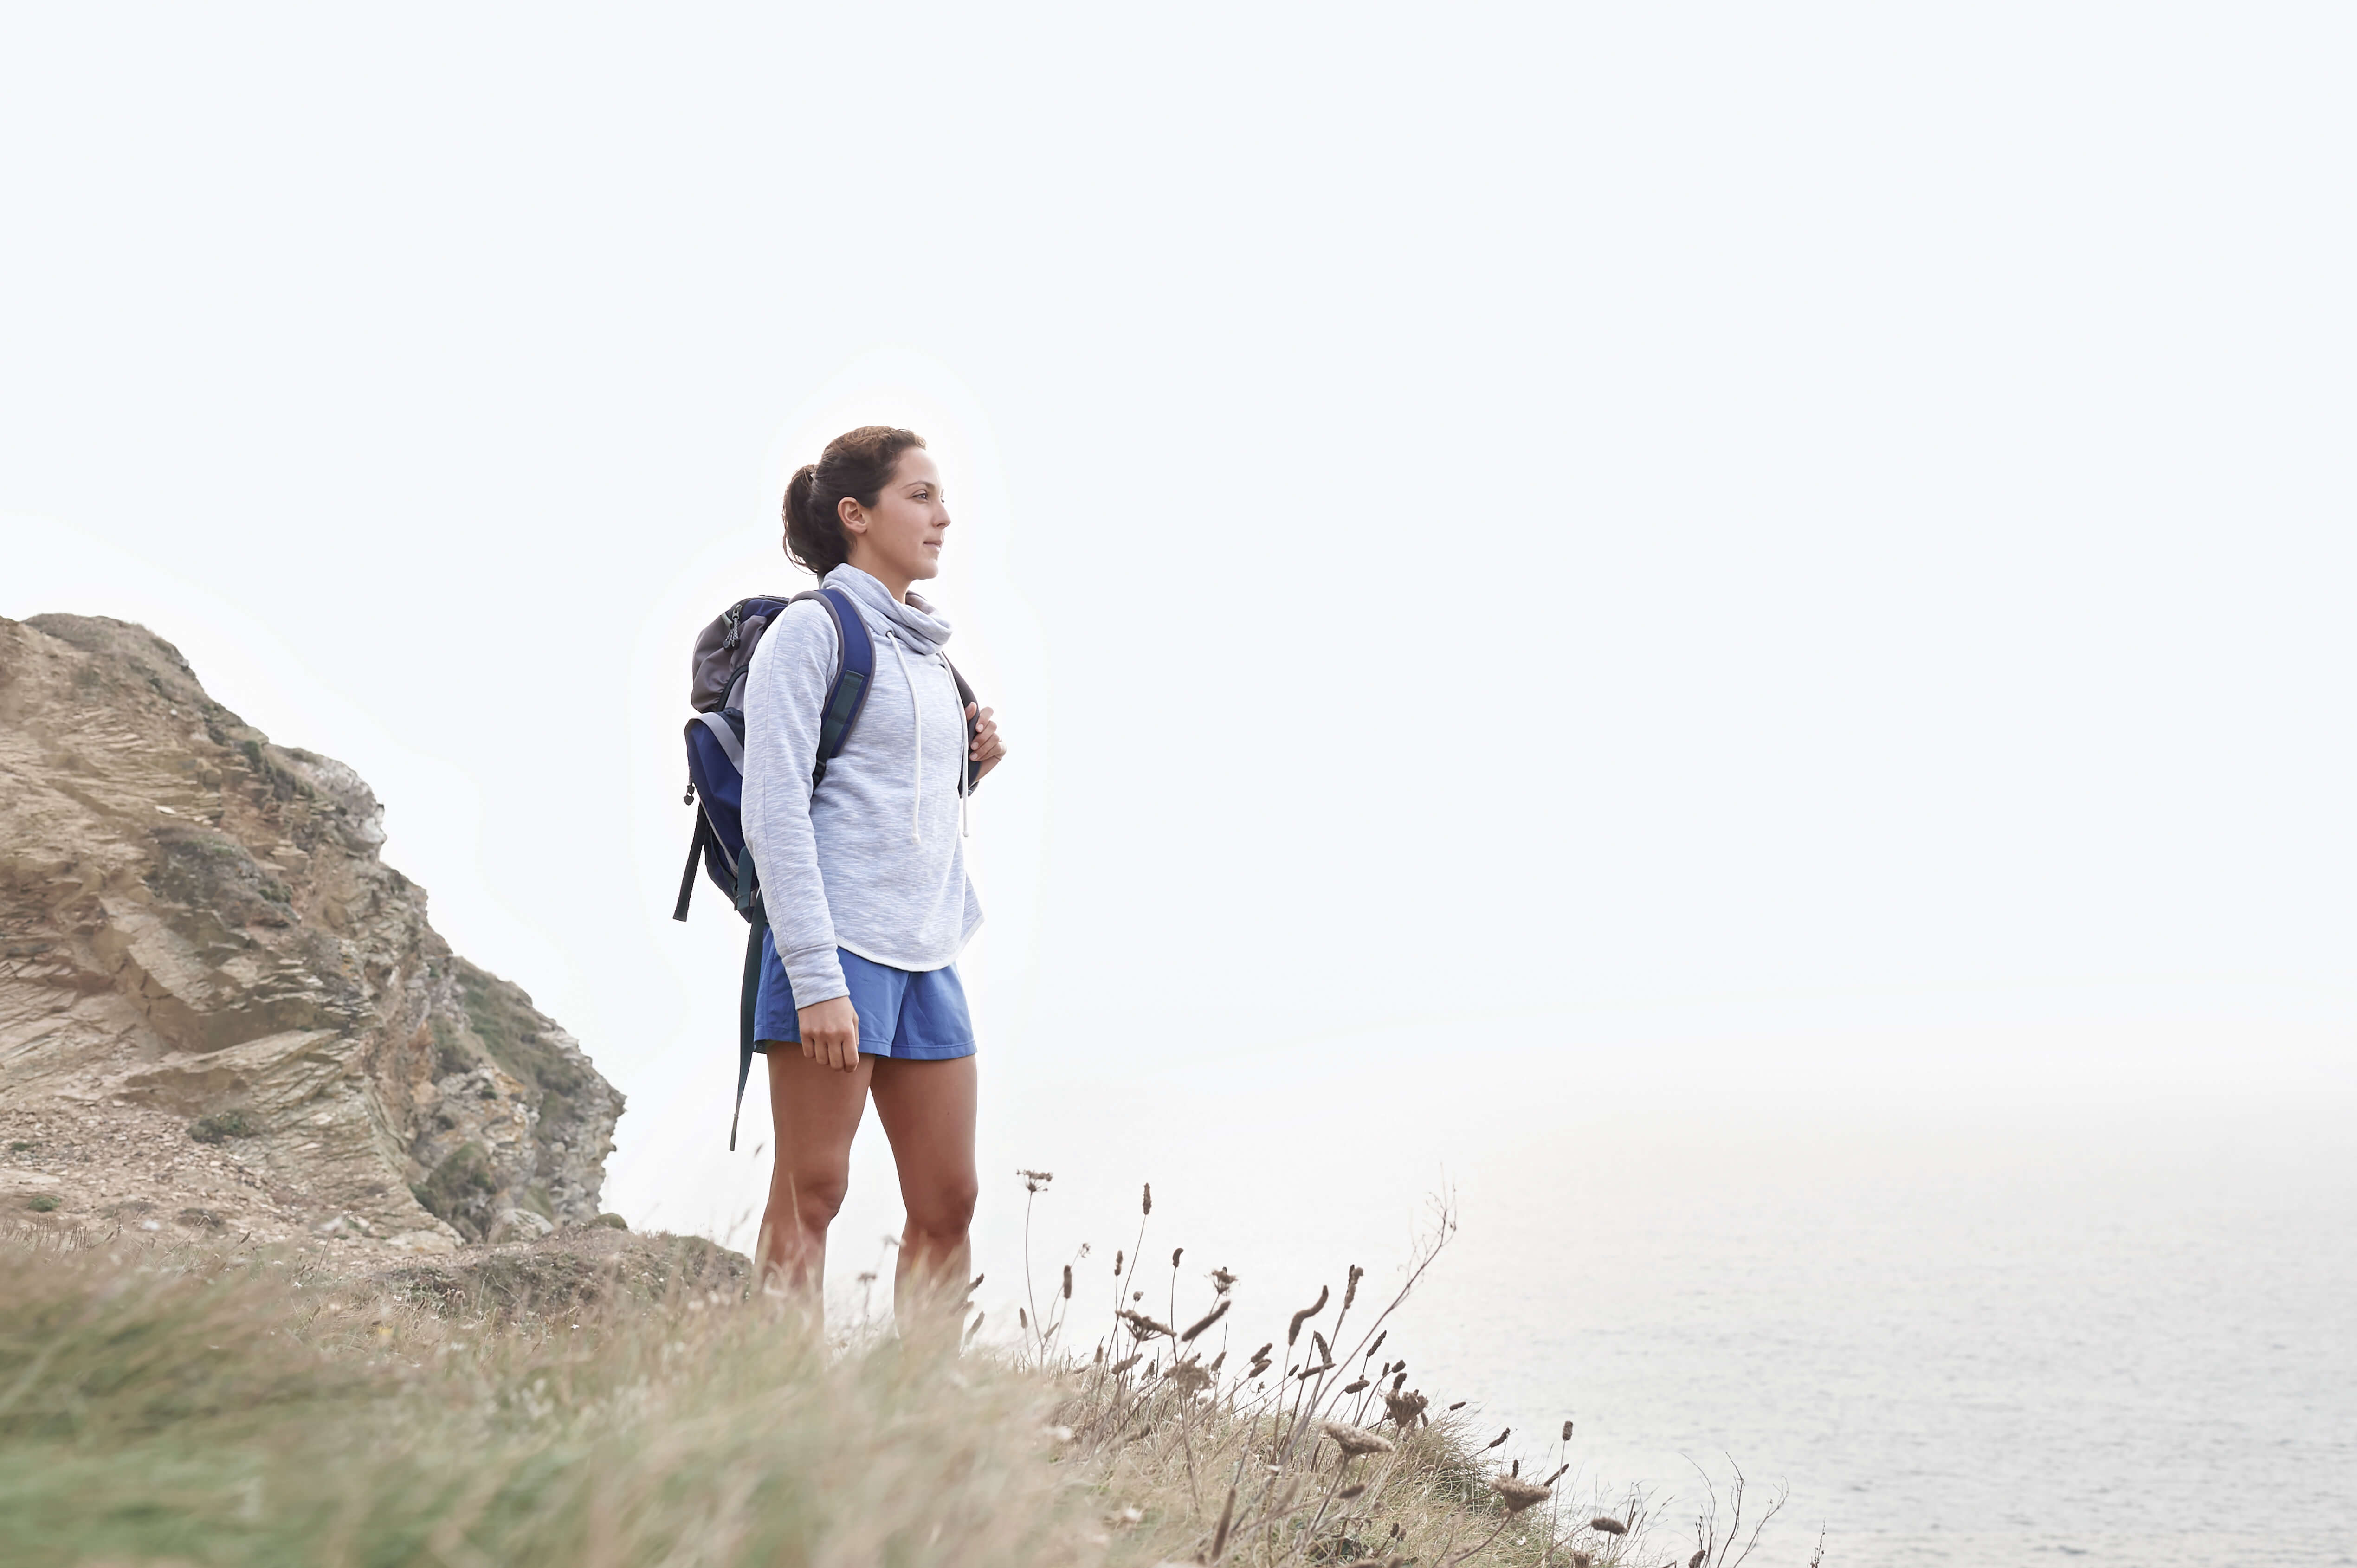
column 895, row 584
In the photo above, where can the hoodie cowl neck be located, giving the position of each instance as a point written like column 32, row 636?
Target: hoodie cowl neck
column 914, row 623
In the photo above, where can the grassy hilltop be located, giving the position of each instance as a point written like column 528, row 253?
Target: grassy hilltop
column 597, row 1398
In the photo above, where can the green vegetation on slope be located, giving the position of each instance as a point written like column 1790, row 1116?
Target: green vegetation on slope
column 604, row 1399
column 206, row 1410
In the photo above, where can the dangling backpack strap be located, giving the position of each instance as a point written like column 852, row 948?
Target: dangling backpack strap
column 748, row 903
column 694, row 861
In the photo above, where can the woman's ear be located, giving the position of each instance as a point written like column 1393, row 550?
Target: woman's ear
column 854, row 515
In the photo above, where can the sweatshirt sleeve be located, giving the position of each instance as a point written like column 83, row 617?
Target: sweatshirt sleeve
column 784, row 695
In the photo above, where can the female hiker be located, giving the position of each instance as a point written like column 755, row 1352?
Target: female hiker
column 864, row 875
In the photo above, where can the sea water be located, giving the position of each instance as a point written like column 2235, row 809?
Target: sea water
column 2009, row 1307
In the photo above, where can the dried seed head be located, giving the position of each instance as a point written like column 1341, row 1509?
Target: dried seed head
column 1518, row 1494
column 1218, row 1361
column 1323, row 1353
column 1068, row 1282
column 1126, row 1362
column 1144, row 1327
column 1500, row 1438
column 1022, row 1319
column 1137, row 1296
column 1551, row 1480
column 1354, row 1386
column 1351, row 1291
column 1100, row 1360
column 1397, row 1379
column 1146, row 1204
column 1582, row 1560
column 1404, row 1409
column 1116, row 1262
column 1516, row 1468
column 1204, row 1322
column 1222, row 1280
column 1186, row 1378
column 1566, row 1432
column 1696, row 1561
column 975, row 1284
column 1354, row 1441
column 1605, row 1526
column 1036, row 1181
column 1305, row 1314
column 1379, row 1342
column 1460, row 1405
column 1175, row 1253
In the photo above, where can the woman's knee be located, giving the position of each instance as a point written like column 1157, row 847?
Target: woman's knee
column 816, row 1197
column 945, row 1208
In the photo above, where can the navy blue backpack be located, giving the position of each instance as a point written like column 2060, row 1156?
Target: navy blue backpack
column 715, row 765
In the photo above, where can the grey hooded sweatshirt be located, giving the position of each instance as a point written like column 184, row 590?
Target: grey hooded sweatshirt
column 874, row 863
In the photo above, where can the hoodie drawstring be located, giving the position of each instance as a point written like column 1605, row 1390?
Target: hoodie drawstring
column 916, row 722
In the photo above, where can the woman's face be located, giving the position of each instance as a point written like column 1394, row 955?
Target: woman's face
column 899, row 540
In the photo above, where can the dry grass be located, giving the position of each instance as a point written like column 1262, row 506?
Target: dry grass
column 204, row 1409
column 201, row 1406
column 1314, row 1453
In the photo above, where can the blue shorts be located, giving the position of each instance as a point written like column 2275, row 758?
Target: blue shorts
column 909, row 1015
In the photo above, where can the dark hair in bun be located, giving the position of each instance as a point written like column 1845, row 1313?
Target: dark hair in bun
column 858, row 464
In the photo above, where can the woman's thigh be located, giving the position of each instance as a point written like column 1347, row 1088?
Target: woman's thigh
column 816, row 1110
column 928, row 1111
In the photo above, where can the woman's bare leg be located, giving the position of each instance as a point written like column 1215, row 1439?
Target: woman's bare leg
column 815, row 1110
column 928, row 1109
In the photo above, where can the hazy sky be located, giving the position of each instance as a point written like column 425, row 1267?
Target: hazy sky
column 1492, row 531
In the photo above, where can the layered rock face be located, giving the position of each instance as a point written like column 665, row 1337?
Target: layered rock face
column 220, row 1009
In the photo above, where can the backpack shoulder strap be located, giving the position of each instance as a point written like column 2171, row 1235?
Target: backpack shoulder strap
column 966, row 699
column 853, row 674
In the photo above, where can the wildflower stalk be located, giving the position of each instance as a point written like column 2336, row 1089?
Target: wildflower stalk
column 1032, row 1182
column 1146, row 1206
column 1175, row 1252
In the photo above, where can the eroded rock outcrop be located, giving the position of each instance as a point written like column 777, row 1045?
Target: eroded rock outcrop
column 220, row 1009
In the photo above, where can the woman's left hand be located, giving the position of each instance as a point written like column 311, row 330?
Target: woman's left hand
column 987, row 748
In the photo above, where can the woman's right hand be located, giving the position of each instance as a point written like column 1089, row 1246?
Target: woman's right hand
column 830, row 1031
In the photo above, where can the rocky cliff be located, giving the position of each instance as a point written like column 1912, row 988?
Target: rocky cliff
column 220, row 1010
